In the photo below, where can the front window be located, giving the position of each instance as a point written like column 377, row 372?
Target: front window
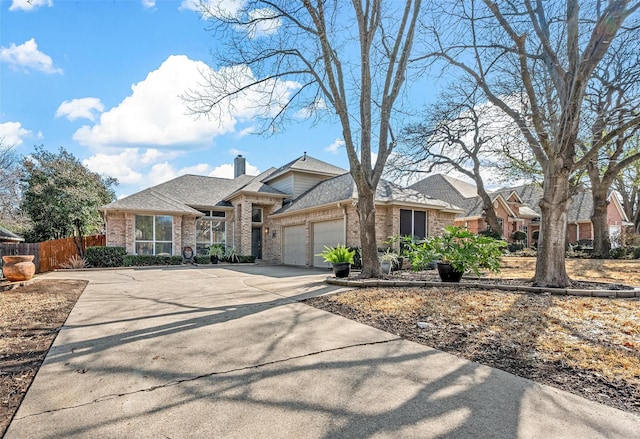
column 210, row 231
column 413, row 223
column 154, row 234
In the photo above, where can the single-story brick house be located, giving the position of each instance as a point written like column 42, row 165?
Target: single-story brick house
column 517, row 208
column 285, row 215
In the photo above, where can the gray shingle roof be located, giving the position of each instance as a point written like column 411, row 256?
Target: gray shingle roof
column 8, row 236
column 306, row 163
column 183, row 194
column 342, row 188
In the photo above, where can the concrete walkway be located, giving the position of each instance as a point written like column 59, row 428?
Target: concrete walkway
column 230, row 352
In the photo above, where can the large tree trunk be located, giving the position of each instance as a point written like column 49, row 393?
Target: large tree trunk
column 369, row 247
column 490, row 214
column 550, row 264
column 601, row 240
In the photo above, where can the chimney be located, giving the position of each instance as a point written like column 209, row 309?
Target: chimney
column 305, row 156
column 239, row 166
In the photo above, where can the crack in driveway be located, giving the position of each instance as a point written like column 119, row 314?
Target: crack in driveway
column 211, row 374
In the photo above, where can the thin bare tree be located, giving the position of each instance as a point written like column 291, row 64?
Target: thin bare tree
column 611, row 113
column 541, row 55
column 349, row 59
column 461, row 132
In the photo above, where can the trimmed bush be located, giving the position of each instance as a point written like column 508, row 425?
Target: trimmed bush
column 514, row 247
column 247, row 259
column 636, row 252
column 150, row 260
column 618, row 253
column 102, row 257
column 203, row 260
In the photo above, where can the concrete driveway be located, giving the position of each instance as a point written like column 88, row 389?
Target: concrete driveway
column 231, row 352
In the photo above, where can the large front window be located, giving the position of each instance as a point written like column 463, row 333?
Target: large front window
column 154, row 234
column 209, row 231
column 413, row 223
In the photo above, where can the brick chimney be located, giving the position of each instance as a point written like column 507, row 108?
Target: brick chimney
column 239, row 166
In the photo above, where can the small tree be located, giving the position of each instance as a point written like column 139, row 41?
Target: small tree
column 10, row 195
column 461, row 132
column 62, row 197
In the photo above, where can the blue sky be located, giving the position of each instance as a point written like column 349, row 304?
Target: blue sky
column 102, row 78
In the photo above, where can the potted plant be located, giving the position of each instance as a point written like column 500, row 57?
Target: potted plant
column 388, row 260
column 340, row 257
column 459, row 251
column 216, row 253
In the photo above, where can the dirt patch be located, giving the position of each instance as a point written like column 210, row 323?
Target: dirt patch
column 30, row 318
column 587, row 346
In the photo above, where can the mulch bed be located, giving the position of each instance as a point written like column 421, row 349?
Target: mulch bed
column 30, row 318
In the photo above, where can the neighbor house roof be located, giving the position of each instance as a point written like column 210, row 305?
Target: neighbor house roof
column 8, row 236
column 343, row 188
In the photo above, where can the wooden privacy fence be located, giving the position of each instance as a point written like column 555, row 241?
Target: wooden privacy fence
column 50, row 254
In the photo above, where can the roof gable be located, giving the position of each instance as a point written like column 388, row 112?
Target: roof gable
column 306, row 164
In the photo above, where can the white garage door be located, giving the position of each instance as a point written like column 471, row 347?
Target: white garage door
column 294, row 245
column 329, row 233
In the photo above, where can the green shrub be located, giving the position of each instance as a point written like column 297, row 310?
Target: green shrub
column 618, row 252
column 515, row 246
column 636, row 252
column 102, row 257
column 150, row 260
column 203, row 260
column 246, row 259
column 519, row 235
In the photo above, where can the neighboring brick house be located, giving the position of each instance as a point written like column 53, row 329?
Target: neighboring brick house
column 517, row 208
column 284, row 215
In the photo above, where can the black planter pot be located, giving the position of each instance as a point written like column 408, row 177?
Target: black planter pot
column 214, row 259
column 448, row 273
column 341, row 269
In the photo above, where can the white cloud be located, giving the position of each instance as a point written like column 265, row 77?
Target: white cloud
column 128, row 165
column 12, row 133
column 27, row 56
column 227, row 170
column 149, row 167
column 335, row 146
column 214, row 8
column 263, row 22
column 148, row 4
column 29, row 5
column 155, row 114
column 80, row 108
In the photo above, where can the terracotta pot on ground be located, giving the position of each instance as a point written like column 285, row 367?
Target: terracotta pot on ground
column 18, row 268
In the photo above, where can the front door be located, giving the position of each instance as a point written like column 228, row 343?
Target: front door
column 256, row 242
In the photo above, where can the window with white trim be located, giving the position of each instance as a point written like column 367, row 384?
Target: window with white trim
column 413, row 223
column 154, row 234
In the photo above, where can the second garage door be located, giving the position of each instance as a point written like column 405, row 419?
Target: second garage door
column 329, row 233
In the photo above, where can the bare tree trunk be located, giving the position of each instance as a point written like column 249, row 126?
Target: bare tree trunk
column 367, row 215
column 550, row 264
column 601, row 239
column 490, row 213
